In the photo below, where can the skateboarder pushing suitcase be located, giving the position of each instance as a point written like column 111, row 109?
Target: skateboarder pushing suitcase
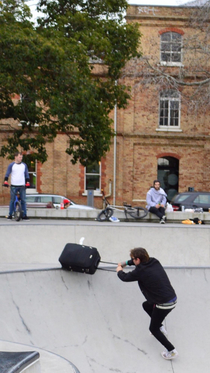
column 156, row 287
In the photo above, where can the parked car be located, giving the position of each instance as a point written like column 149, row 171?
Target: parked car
column 52, row 200
column 191, row 200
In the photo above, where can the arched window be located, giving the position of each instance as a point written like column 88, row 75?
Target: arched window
column 169, row 108
column 168, row 174
column 171, row 47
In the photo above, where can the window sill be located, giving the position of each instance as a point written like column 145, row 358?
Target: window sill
column 171, row 64
column 168, row 129
column 96, row 194
column 31, row 191
column 35, row 124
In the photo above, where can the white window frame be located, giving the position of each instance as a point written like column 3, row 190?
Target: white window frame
column 171, row 62
column 97, row 191
column 170, row 99
column 33, row 173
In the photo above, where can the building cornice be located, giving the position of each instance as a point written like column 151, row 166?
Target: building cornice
column 166, row 136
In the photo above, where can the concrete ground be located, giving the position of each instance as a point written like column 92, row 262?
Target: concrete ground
column 97, row 322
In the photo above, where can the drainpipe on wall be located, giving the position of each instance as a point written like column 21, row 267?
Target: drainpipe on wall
column 115, row 153
column 110, row 189
column 110, row 192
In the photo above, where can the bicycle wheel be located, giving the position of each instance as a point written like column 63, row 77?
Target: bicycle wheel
column 136, row 212
column 105, row 214
column 18, row 211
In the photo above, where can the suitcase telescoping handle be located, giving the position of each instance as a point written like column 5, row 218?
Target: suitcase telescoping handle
column 97, row 262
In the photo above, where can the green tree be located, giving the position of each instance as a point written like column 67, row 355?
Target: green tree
column 52, row 66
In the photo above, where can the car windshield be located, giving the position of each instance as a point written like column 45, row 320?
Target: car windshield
column 73, row 203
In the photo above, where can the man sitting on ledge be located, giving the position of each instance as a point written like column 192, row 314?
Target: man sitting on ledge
column 156, row 201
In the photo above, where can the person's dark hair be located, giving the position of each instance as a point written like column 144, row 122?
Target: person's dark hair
column 140, row 253
column 17, row 153
column 156, row 181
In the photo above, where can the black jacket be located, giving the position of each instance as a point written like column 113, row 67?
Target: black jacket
column 152, row 279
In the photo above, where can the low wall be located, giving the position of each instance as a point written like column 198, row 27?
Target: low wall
column 42, row 241
column 42, row 213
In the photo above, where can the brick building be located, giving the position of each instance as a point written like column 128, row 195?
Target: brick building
column 157, row 135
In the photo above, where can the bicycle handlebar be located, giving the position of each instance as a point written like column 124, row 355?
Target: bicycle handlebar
column 20, row 186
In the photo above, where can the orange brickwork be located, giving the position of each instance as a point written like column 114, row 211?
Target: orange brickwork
column 139, row 143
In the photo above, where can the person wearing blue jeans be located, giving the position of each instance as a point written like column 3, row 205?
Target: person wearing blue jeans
column 19, row 180
column 158, row 291
column 13, row 191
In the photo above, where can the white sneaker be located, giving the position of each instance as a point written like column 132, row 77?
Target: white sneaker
column 162, row 221
column 164, row 331
column 169, row 355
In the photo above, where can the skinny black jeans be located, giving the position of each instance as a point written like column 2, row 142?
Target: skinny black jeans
column 157, row 316
column 159, row 212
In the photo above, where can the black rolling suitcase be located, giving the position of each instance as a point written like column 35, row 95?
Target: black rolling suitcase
column 80, row 258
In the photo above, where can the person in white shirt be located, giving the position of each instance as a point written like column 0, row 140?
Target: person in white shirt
column 19, row 181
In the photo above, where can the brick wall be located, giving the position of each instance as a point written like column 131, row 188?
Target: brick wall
column 139, row 143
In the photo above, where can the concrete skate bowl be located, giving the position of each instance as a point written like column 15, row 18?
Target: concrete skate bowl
column 97, row 322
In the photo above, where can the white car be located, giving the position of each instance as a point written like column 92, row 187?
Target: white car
column 52, row 200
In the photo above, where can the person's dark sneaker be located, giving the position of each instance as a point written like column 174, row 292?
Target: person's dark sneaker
column 25, row 218
column 9, row 217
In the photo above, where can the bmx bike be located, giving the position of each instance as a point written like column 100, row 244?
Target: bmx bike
column 18, row 213
column 137, row 212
